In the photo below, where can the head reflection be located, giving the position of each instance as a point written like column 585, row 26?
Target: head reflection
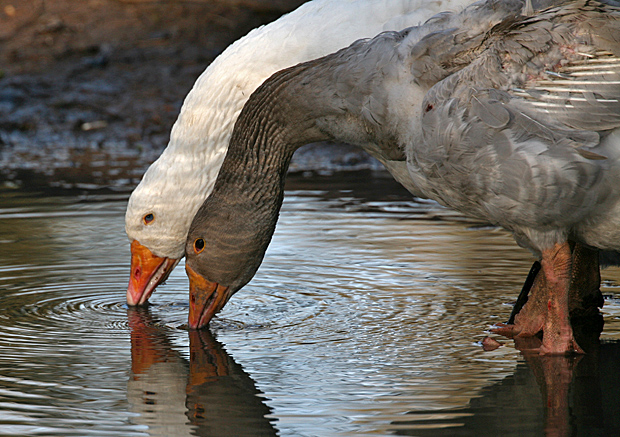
column 210, row 395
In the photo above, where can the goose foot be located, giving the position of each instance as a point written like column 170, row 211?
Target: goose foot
column 528, row 316
column 547, row 309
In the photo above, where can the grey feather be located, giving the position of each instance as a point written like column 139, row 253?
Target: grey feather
column 490, row 112
column 517, row 136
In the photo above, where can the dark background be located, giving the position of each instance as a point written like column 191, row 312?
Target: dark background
column 89, row 89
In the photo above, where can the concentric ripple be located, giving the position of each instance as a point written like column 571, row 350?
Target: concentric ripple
column 64, row 343
column 364, row 318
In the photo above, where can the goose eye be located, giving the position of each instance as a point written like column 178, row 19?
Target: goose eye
column 148, row 219
column 199, row 245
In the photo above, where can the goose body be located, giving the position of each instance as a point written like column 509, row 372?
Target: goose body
column 161, row 207
column 504, row 114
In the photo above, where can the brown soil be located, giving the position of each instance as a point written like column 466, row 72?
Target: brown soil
column 89, row 89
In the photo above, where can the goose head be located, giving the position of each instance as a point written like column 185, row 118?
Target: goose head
column 229, row 234
column 158, row 216
column 225, row 246
column 152, row 229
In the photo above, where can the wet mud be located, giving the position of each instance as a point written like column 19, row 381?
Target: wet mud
column 89, row 90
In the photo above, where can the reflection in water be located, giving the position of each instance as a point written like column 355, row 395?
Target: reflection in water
column 211, row 396
column 363, row 319
column 546, row 395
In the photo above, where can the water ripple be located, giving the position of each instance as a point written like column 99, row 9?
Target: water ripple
column 363, row 319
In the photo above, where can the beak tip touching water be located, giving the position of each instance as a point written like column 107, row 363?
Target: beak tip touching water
column 206, row 298
column 136, row 296
column 147, row 272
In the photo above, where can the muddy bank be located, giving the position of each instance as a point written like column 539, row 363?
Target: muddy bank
column 90, row 90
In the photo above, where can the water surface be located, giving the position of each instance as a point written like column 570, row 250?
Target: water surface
column 365, row 318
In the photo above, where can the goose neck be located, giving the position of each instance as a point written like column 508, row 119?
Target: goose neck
column 272, row 125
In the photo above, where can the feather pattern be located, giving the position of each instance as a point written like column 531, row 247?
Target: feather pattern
column 522, row 135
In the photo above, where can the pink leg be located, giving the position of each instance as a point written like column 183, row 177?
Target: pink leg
column 547, row 308
column 557, row 271
column 531, row 319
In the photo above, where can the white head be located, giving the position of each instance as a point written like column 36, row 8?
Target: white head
column 162, row 206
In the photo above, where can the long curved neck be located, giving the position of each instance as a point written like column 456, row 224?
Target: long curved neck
column 240, row 215
column 294, row 107
column 273, row 124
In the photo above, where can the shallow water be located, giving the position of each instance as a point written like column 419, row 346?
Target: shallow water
column 365, row 318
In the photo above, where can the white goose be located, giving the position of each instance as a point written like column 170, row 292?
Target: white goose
column 161, row 207
column 509, row 118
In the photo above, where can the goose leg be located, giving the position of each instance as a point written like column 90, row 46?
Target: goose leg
column 525, row 291
column 557, row 272
column 528, row 317
column 585, row 295
column 564, row 273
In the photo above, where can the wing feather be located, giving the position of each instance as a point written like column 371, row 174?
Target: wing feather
column 519, row 135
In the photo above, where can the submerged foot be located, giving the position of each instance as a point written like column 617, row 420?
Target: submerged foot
column 564, row 346
column 565, row 272
column 530, row 319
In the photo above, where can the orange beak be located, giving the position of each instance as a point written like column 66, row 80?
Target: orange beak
column 147, row 272
column 205, row 299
